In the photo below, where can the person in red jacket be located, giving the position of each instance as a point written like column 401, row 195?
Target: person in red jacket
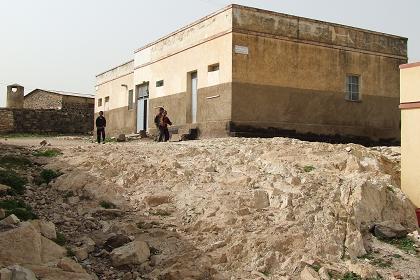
column 164, row 122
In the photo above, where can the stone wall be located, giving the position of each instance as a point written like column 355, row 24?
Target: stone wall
column 45, row 121
column 43, row 100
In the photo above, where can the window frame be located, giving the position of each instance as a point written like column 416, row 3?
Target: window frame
column 213, row 68
column 99, row 102
column 350, row 93
column 160, row 83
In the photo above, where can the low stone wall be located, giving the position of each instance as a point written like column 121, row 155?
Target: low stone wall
column 45, row 121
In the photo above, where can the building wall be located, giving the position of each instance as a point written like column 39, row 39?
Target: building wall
column 120, row 119
column 172, row 59
column 43, row 100
column 410, row 132
column 44, row 121
column 294, row 76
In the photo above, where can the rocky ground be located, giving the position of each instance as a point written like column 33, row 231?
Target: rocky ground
column 211, row 209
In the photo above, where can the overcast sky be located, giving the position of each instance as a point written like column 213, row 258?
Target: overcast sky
column 63, row 44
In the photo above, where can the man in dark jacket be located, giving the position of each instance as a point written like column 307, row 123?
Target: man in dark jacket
column 100, row 127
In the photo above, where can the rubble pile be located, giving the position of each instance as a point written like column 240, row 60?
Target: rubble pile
column 216, row 209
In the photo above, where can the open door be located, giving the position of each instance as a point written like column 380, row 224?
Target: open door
column 142, row 106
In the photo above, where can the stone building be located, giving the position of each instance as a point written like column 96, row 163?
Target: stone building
column 46, row 111
column 410, row 131
column 51, row 99
column 243, row 71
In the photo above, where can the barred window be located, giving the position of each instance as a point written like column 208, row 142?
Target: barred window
column 99, row 102
column 353, row 88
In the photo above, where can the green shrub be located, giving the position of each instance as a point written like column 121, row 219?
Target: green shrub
column 46, row 176
column 107, row 205
column 47, row 153
column 351, row 276
column 405, row 244
column 308, row 168
column 13, row 180
column 61, row 239
column 18, row 208
column 10, row 161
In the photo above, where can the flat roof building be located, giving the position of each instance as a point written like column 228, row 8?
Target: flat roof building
column 243, row 71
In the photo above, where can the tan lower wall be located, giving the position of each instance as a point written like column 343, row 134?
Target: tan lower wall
column 410, row 154
column 315, row 112
column 119, row 121
column 213, row 109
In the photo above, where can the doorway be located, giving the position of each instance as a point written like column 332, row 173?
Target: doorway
column 142, row 93
column 194, row 84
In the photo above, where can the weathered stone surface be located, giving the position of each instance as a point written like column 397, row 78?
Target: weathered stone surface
column 10, row 220
column 308, row 273
column 5, row 274
column 366, row 271
column 21, row 273
column 116, row 241
column 81, row 253
column 46, row 228
column 20, row 245
column 121, row 138
column 50, row 251
column 324, row 274
column 51, row 273
column 67, row 264
column 88, row 243
column 261, row 199
column 135, row 252
column 389, row 230
column 2, row 213
column 156, row 200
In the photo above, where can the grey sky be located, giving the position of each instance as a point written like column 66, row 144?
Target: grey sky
column 63, row 44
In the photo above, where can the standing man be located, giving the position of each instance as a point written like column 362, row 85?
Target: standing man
column 158, row 121
column 100, row 127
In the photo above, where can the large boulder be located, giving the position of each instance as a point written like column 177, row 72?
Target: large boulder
column 20, row 245
column 389, row 230
column 50, row 251
column 55, row 273
column 136, row 252
column 116, row 241
column 46, row 228
column 21, row 273
column 10, row 220
column 308, row 273
column 121, row 138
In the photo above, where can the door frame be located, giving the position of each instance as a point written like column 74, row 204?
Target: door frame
column 142, row 97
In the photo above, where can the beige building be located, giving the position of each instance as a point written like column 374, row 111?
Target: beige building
column 247, row 72
column 410, row 131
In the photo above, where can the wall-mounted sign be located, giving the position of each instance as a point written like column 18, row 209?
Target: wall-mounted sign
column 241, row 50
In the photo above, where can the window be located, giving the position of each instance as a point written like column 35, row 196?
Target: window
column 214, row 67
column 130, row 99
column 353, row 88
column 107, row 99
column 99, row 102
column 159, row 83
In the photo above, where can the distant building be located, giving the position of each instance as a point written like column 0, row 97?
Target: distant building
column 46, row 111
column 51, row 99
column 410, row 131
column 248, row 72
